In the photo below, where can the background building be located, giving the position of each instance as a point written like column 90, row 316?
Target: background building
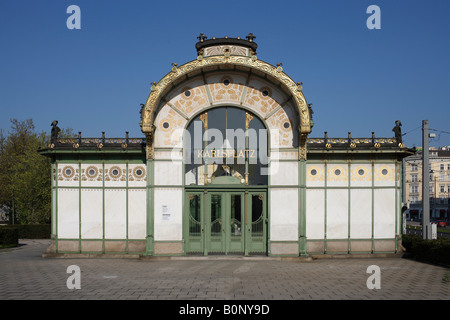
column 439, row 171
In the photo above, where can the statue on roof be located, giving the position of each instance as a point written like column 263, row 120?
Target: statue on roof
column 55, row 131
column 398, row 131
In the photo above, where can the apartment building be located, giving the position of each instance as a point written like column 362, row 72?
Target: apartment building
column 439, row 171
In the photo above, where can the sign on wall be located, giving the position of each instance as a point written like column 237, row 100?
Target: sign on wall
column 167, row 212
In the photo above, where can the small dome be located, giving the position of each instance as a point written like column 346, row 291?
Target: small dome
column 219, row 46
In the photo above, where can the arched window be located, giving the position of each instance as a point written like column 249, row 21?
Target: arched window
column 226, row 145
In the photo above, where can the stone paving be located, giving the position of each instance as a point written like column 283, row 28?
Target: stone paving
column 24, row 274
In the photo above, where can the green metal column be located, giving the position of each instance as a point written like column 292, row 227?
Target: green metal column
column 349, row 204
column 126, row 205
column 247, row 225
column 325, row 208
column 302, row 208
column 103, row 206
column 79, row 206
column 150, row 207
column 373, row 207
column 206, row 208
column 397, row 208
column 56, row 205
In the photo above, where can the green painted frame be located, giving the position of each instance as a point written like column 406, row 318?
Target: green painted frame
column 397, row 194
column 77, row 158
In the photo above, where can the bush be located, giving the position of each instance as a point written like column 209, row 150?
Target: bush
column 32, row 231
column 9, row 236
column 433, row 251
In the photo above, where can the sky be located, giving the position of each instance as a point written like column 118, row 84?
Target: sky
column 358, row 80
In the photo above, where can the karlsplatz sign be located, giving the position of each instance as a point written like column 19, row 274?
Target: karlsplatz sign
column 220, row 153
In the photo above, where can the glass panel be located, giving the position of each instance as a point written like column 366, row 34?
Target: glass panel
column 257, row 215
column 258, row 140
column 227, row 148
column 236, row 216
column 192, row 149
column 216, row 215
column 194, row 216
column 216, row 120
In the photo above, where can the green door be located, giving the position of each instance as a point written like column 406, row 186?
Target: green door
column 216, row 225
column 224, row 232
column 257, row 222
column 194, row 222
column 225, row 222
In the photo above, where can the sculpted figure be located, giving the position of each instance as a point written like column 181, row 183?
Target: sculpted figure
column 55, row 132
column 398, row 131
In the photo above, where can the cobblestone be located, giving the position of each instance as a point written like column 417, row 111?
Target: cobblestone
column 26, row 275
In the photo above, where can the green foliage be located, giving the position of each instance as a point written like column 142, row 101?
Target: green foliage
column 33, row 231
column 25, row 176
column 9, row 236
column 433, row 251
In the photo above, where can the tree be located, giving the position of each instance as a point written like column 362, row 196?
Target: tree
column 25, row 175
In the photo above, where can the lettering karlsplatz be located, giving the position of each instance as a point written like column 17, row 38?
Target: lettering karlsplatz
column 248, row 153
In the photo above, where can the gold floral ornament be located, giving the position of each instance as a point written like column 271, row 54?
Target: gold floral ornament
column 115, row 172
column 139, row 172
column 166, row 84
column 279, row 67
column 68, row 172
column 91, row 172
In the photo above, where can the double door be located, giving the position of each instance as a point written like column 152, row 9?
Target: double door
column 225, row 222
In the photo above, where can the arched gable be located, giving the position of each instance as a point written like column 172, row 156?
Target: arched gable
column 200, row 84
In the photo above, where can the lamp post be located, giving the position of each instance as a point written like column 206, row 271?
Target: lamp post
column 426, row 234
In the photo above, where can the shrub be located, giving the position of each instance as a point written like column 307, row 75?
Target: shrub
column 9, row 236
column 31, row 231
column 433, row 251
column 34, row 231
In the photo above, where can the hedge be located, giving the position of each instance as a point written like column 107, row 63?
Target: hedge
column 9, row 236
column 31, row 231
column 433, row 251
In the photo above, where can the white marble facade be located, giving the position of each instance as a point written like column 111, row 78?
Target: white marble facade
column 101, row 202
column 359, row 201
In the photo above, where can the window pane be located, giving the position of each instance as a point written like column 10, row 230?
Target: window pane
column 236, row 216
column 216, row 215
column 194, row 216
column 227, row 149
column 257, row 215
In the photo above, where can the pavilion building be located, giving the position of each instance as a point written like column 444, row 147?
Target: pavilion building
column 226, row 165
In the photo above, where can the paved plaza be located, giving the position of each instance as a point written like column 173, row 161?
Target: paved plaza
column 24, row 274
